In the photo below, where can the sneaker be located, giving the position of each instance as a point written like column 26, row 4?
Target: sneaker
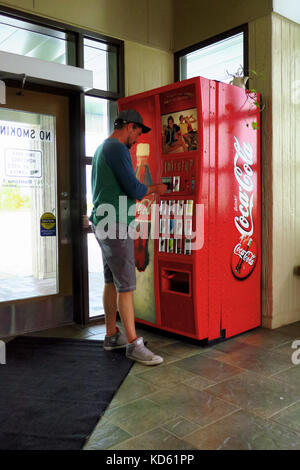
column 115, row 341
column 137, row 351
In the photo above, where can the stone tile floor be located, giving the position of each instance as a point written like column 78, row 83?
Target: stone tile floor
column 243, row 393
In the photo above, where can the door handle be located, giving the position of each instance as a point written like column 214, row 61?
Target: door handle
column 65, row 219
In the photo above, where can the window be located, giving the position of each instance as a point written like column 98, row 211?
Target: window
column 215, row 59
column 29, row 263
column 101, row 58
column 96, row 123
column 24, row 38
column 100, row 113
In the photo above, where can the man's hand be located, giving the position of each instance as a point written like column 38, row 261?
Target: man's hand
column 157, row 188
column 161, row 189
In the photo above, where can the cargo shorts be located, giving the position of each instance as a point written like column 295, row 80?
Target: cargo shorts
column 118, row 259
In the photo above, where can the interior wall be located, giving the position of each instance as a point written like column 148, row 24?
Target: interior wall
column 195, row 21
column 260, row 55
column 286, row 169
column 146, row 26
column 154, row 66
column 274, row 50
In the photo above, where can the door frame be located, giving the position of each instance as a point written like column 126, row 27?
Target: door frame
column 77, row 193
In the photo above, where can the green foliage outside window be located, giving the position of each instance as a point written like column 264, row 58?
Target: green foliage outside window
column 11, row 199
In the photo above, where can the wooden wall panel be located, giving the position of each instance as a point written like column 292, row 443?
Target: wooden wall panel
column 286, row 169
column 260, row 47
column 146, row 68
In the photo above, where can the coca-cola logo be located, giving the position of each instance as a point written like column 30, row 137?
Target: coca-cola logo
column 244, row 258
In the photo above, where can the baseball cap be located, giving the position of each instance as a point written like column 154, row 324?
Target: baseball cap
column 131, row 115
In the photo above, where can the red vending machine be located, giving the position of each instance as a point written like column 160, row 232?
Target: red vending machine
column 199, row 265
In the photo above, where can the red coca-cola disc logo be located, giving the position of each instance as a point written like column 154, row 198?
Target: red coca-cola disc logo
column 244, row 257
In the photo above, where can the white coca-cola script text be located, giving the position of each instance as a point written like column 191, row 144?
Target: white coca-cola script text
column 246, row 256
column 243, row 173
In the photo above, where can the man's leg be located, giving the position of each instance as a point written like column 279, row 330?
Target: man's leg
column 125, row 307
column 135, row 349
column 126, row 310
column 110, row 307
column 120, row 268
column 114, row 338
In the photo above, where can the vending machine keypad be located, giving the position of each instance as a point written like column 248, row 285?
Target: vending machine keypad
column 178, row 175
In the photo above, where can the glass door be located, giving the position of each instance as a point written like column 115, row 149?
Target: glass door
column 35, row 245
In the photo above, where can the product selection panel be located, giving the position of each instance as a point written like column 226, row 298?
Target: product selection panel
column 179, row 176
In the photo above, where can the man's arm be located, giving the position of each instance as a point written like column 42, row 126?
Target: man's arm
column 122, row 167
column 119, row 160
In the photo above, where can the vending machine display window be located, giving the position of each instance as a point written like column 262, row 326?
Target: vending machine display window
column 180, row 131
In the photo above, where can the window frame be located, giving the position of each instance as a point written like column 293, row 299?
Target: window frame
column 76, row 36
column 73, row 34
column 212, row 40
column 87, row 160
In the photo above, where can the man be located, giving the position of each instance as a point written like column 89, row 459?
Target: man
column 112, row 177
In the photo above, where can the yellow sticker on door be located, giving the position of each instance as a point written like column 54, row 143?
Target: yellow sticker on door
column 48, row 225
